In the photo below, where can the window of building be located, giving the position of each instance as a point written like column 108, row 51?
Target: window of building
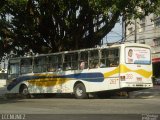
column 142, row 25
column 130, row 31
column 142, row 41
column 157, row 22
column 156, row 42
column 143, row 20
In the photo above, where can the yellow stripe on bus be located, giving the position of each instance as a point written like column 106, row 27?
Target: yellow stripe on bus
column 109, row 74
column 48, row 81
column 124, row 69
column 141, row 72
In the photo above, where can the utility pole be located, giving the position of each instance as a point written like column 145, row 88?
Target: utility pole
column 135, row 39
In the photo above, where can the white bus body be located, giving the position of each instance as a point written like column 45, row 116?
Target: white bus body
column 131, row 72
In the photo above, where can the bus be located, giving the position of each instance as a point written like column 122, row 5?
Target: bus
column 118, row 67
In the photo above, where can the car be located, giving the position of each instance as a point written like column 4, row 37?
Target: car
column 157, row 81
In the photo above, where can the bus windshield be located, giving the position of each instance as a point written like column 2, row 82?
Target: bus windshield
column 137, row 55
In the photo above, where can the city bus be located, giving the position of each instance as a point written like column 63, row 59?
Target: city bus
column 118, row 67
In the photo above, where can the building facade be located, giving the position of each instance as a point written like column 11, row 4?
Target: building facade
column 147, row 31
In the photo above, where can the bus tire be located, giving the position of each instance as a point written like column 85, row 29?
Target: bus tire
column 80, row 91
column 24, row 91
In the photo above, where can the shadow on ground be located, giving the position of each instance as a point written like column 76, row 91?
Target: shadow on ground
column 141, row 94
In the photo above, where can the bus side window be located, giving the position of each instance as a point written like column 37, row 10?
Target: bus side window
column 54, row 63
column 110, row 57
column 70, row 61
column 40, row 64
column 103, row 60
column 83, row 60
column 67, row 62
column 26, row 65
column 74, row 62
column 113, row 58
column 94, row 59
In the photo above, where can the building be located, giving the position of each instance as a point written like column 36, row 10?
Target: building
column 146, row 31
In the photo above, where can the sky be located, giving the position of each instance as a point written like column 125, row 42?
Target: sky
column 115, row 35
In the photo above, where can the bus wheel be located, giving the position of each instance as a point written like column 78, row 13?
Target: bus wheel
column 80, row 91
column 24, row 91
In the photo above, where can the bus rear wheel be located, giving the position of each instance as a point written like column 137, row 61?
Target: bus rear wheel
column 24, row 91
column 80, row 91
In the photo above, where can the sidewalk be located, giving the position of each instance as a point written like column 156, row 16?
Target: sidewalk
column 147, row 93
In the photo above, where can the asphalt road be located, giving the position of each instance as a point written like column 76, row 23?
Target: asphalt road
column 145, row 105
column 85, row 109
column 75, row 106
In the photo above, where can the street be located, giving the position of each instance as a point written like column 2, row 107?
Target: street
column 56, row 106
column 144, row 103
column 76, row 106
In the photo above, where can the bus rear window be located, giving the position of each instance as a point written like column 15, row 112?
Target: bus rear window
column 137, row 55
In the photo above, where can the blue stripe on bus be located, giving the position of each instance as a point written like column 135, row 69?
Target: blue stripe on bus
column 90, row 77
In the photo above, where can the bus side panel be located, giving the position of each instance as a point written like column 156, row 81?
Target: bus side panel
column 100, row 79
column 109, row 81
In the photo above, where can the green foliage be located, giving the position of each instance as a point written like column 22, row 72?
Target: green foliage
column 57, row 25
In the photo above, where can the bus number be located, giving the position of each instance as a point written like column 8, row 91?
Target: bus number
column 129, row 76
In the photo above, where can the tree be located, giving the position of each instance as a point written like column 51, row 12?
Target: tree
column 57, row 25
